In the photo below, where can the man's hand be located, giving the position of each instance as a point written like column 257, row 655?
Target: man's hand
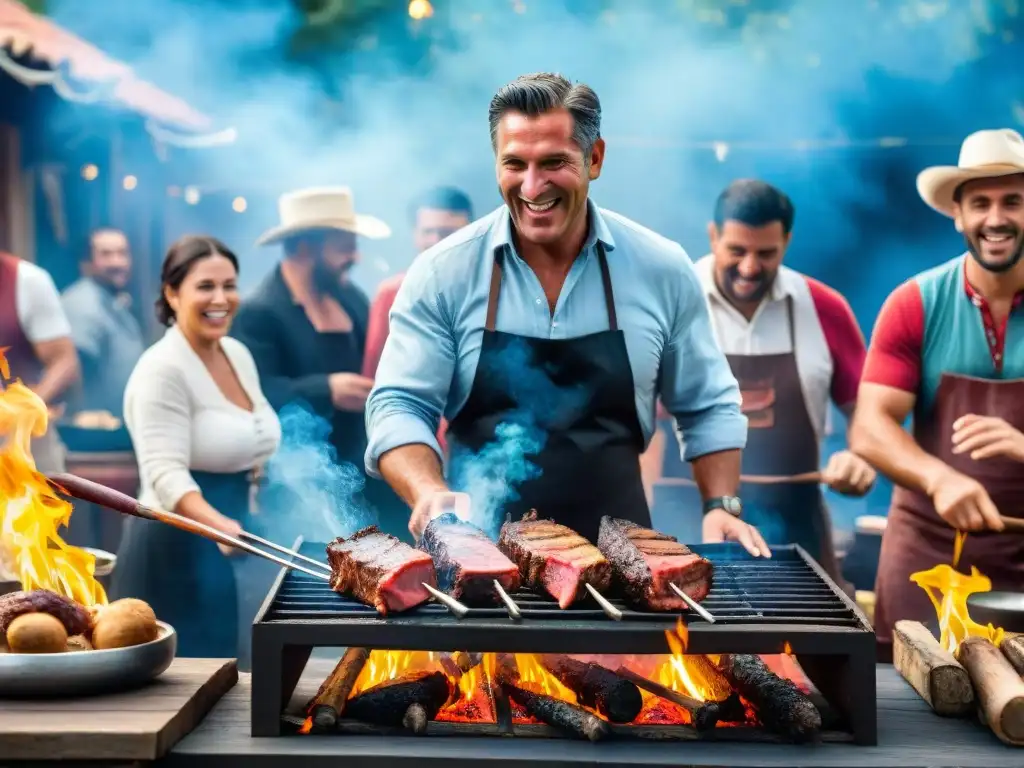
column 720, row 526
column 963, row 503
column 349, row 391
column 984, row 437
column 434, row 505
column 848, row 474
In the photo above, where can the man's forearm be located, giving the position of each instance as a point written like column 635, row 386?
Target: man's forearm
column 57, row 377
column 883, row 443
column 717, row 474
column 412, row 471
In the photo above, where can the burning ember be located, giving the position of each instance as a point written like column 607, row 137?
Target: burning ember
column 948, row 589
column 673, row 689
column 31, row 513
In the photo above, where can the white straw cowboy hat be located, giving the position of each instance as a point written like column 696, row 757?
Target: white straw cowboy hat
column 983, row 155
column 322, row 208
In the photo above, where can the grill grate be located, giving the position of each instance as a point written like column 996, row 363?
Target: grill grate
column 746, row 590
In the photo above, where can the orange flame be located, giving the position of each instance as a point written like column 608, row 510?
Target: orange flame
column 953, row 588
column 31, row 513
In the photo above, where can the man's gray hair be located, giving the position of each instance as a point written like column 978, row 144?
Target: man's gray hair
column 542, row 92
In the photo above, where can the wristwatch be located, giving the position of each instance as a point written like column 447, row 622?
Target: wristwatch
column 730, row 504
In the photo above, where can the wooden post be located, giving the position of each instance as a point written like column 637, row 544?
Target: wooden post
column 1000, row 689
column 931, row 671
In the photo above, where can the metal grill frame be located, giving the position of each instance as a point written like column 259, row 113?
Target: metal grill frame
column 838, row 657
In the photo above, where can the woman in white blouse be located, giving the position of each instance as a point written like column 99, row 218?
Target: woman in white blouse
column 201, row 429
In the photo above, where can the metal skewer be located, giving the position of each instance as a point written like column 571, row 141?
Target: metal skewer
column 610, row 610
column 246, row 536
column 694, row 605
column 458, row 609
column 510, row 604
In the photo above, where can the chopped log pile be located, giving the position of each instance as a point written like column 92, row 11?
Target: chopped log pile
column 979, row 677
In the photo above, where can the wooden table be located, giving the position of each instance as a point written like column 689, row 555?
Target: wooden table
column 909, row 736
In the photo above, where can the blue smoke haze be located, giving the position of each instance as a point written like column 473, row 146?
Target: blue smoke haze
column 307, row 491
column 838, row 103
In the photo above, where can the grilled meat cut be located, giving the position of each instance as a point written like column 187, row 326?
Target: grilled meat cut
column 467, row 563
column 380, row 570
column 645, row 562
column 554, row 558
column 76, row 619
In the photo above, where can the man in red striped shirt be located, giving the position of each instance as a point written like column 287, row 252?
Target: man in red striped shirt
column 794, row 345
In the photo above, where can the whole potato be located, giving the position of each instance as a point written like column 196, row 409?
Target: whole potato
column 124, row 623
column 37, row 633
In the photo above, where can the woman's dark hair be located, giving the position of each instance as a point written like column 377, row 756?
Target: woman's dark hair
column 178, row 262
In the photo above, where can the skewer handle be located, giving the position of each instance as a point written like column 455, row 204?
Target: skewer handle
column 510, row 604
column 458, row 609
column 693, row 604
column 610, row 610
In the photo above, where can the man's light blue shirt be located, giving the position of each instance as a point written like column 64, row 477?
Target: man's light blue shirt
column 437, row 322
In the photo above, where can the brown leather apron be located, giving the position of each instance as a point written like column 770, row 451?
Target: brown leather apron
column 781, row 444
column 917, row 539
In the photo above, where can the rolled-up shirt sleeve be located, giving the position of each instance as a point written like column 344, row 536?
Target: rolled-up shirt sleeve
column 415, row 371
column 697, row 386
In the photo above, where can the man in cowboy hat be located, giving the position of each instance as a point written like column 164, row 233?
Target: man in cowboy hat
column 948, row 347
column 306, row 323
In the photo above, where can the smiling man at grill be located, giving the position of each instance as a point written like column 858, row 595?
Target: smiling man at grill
column 948, row 347
column 597, row 318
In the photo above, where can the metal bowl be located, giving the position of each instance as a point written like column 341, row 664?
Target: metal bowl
column 105, row 563
column 85, row 673
column 1001, row 609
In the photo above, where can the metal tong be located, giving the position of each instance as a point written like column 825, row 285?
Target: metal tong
column 95, row 493
column 87, row 490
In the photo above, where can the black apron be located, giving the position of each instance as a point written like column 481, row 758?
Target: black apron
column 578, row 396
column 184, row 577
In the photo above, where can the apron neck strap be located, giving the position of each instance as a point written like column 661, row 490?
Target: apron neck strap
column 606, row 281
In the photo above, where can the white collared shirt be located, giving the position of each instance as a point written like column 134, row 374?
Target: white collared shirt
column 830, row 348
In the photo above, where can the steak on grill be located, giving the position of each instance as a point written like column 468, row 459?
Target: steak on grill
column 645, row 562
column 380, row 570
column 467, row 562
column 554, row 558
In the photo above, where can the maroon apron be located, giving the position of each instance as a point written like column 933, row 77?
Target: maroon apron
column 917, row 539
column 781, row 443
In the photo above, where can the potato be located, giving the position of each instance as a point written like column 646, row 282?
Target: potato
column 124, row 623
column 37, row 633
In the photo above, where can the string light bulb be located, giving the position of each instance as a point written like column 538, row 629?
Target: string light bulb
column 191, row 195
column 239, row 205
column 420, row 9
column 130, row 183
column 721, row 151
column 90, row 172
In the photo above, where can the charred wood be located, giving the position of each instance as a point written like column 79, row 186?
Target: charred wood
column 931, row 670
column 999, row 688
column 390, row 702
column 568, row 717
column 704, row 715
column 781, row 706
column 613, row 696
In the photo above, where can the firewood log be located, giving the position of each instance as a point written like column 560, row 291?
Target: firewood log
column 327, row 706
column 411, row 700
column 781, row 707
column 1013, row 649
column 998, row 686
column 704, row 715
column 931, row 670
column 614, row 697
column 560, row 714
